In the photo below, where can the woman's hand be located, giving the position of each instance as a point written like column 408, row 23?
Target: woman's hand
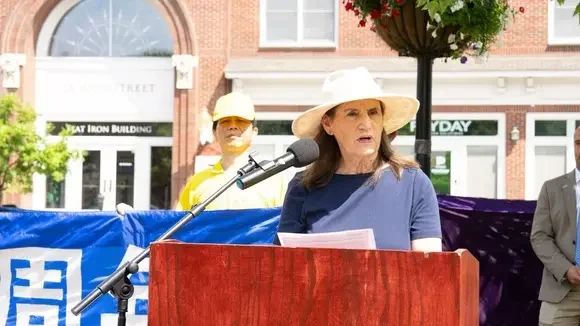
column 427, row 245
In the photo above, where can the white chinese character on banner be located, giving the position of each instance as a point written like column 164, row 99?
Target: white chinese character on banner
column 136, row 311
column 39, row 286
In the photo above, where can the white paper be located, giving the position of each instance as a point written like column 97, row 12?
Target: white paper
column 354, row 239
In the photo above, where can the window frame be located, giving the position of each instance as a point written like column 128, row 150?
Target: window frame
column 281, row 140
column 278, row 140
column 460, row 144
column 556, row 141
column 57, row 14
column 552, row 38
column 301, row 43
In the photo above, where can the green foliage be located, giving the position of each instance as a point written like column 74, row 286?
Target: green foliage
column 478, row 22
column 482, row 23
column 23, row 152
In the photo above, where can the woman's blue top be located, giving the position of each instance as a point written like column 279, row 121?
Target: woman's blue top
column 398, row 211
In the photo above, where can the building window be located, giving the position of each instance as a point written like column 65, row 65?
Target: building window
column 550, row 128
column 274, row 137
column 549, row 148
column 463, row 143
column 274, row 127
column 112, row 28
column 484, row 183
column 549, row 162
column 160, row 178
column 298, row 23
column 563, row 27
column 55, row 193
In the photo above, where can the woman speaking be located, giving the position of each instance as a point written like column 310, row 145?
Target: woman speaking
column 359, row 181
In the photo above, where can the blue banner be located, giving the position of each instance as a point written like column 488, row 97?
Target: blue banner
column 48, row 259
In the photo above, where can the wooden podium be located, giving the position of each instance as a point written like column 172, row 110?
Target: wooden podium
column 215, row 285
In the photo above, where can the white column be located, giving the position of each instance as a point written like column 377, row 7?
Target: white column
column 205, row 127
column 142, row 184
column 238, row 85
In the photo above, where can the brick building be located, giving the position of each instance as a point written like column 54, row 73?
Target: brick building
column 136, row 78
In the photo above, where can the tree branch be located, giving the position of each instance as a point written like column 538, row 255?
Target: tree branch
column 3, row 175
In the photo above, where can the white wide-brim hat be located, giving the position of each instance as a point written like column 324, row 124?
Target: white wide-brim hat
column 350, row 85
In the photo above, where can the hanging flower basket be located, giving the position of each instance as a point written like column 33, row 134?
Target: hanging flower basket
column 435, row 28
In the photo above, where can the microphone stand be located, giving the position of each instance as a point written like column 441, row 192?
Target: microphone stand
column 119, row 284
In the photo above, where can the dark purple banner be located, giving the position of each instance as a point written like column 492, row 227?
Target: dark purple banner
column 497, row 233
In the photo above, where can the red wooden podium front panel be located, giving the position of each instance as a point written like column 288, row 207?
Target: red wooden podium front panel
column 196, row 285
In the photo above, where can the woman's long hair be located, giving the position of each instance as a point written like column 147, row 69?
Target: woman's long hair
column 319, row 173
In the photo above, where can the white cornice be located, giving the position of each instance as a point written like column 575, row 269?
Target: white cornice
column 403, row 68
column 407, row 75
column 514, row 80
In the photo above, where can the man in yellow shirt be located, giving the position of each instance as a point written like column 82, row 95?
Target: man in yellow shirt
column 233, row 129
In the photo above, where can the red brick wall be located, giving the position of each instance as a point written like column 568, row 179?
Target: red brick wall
column 527, row 35
column 220, row 29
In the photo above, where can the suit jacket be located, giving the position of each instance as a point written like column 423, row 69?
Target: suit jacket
column 553, row 235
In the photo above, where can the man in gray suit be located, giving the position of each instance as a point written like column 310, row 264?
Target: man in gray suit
column 553, row 237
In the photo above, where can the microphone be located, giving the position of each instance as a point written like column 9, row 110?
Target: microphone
column 299, row 154
column 251, row 165
column 118, row 283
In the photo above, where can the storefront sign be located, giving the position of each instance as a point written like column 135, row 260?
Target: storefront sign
column 455, row 128
column 109, row 88
column 87, row 89
column 143, row 129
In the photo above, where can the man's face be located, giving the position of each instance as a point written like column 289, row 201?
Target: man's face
column 234, row 134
